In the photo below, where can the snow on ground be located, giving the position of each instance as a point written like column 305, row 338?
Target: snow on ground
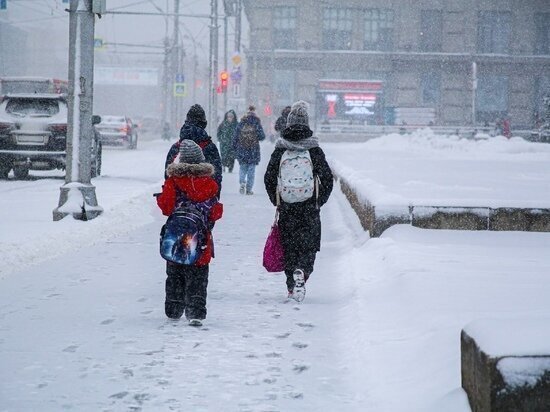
column 424, row 169
column 87, row 330
column 29, row 236
column 379, row 329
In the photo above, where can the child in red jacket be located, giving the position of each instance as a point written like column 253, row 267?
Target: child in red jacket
column 190, row 180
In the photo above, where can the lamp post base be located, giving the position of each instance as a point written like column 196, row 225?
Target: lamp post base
column 78, row 200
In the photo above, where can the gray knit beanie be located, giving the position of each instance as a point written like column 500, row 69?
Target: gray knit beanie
column 190, row 152
column 298, row 114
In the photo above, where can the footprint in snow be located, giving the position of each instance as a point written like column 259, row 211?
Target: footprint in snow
column 283, row 335
column 274, row 355
column 305, row 326
column 142, row 299
column 119, row 395
column 71, row 349
column 300, row 367
column 107, row 321
column 300, row 345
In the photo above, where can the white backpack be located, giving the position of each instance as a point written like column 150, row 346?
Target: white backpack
column 296, row 180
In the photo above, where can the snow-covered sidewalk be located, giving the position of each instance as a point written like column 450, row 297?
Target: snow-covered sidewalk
column 87, row 330
column 379, row 329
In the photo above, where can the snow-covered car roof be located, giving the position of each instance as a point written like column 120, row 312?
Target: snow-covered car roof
column 35, row 96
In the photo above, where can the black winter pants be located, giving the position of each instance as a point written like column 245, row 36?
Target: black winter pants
column 186, row 291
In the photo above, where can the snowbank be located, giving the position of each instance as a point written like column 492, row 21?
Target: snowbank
column 423, row 169
column 29, row 236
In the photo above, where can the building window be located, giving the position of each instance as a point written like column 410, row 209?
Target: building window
column 542, row 33
column 493, row 32
column 284, row 87
column 430, row 85
column 284, row 27
column 378, row 29
column 491, row 97
column 337, row 28
column 431, row 30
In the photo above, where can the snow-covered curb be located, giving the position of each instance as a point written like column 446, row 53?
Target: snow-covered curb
column 74, row 234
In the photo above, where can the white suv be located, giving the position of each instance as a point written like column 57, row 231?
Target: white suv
column 33, row 135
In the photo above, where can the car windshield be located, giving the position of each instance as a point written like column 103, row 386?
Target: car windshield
column 113, row 119
column 33, row 107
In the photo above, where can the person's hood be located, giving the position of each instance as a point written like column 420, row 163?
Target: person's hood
column 194, row 133
column 250, row 118
column 190, row 170
column 304, row 144
column 296, row 132
column 235, row 120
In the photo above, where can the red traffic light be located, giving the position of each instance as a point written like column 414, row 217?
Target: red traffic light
column 224, row 79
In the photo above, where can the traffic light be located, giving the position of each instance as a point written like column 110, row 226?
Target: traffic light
column 224, row 79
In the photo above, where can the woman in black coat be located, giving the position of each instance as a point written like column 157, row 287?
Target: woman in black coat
column 299, row 223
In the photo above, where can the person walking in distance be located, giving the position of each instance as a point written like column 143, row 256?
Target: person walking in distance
column 248, row 136
column 298, row 181
column 226, row 135
column 189, row 198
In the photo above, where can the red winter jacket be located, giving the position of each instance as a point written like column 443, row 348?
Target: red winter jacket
column 196, row 181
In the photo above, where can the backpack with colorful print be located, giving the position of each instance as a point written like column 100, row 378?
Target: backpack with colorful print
column 296, row 180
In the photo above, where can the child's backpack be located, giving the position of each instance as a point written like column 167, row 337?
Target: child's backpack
column 184, row 236
column 248, row 137
column 296, row 180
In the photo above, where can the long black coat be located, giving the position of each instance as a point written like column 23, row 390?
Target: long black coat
column 300, row 223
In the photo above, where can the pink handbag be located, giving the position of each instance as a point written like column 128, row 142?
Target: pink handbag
column 274, row 258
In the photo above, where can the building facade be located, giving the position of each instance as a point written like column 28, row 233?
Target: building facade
column 462, row 62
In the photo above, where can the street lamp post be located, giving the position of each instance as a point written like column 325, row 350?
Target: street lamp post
column 78, row 197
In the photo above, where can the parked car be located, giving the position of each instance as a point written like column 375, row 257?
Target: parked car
column 118, row 131
column 33, row 135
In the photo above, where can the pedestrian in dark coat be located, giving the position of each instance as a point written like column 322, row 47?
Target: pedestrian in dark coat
column 280, row 124
column 190, row 180
column 193, row 129
column 226, row 136
column 299, row 223
column 248, row 136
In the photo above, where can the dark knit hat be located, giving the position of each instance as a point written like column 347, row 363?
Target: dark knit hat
column 196, row 116
column 298, row 114
column 190, row 152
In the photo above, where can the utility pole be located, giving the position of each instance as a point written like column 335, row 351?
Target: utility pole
column 213, row 72
column 165, row 84
column 78, row 197
column 175, row 64
column 225, row 63
column 474, row 91
column 238, row 26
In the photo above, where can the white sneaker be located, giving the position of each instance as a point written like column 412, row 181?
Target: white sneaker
column 195, row 322
column 299, row 291
column 242, row 189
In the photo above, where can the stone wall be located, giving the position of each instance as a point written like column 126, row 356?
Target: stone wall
column 376, row 220
column 487, row 389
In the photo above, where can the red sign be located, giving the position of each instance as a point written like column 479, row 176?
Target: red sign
column 351, row 85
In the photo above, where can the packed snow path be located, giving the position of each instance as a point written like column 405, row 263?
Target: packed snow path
column 87, row 330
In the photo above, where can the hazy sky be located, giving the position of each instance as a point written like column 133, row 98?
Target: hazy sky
column 49, row 14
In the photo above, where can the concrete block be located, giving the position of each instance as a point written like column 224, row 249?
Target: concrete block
column 507, row 383
column 450, row 218
column 509, row 219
